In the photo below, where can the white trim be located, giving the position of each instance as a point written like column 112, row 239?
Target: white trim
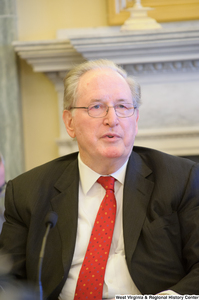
column 176, row 141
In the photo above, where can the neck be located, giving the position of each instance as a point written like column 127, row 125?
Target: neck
column 105, row 166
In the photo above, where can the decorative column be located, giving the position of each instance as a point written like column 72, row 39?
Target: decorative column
column 65, row 143
column 11, row 141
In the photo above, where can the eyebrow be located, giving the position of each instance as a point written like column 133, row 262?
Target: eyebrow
column 101, row 100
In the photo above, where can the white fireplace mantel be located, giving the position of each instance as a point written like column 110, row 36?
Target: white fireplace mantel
column 174, row 42
column 165, row 62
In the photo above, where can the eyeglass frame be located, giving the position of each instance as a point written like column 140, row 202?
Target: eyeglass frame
column 107, row 110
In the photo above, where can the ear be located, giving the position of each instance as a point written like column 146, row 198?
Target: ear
column 137, row 119
column 69, row 122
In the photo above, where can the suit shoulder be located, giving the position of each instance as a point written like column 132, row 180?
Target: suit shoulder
column 160, row 159
column 54, row 167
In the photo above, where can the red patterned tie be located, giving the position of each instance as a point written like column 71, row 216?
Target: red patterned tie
column 91, row 276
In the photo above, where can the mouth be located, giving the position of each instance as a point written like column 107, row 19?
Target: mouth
column 110, row 136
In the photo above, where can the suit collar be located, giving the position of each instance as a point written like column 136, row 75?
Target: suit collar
column 69, row 176
column 65, row 204
column 137, row 192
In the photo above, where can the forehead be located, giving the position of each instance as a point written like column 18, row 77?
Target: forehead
column 103, row 83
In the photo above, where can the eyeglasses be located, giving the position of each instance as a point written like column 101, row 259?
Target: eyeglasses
column 100, row 110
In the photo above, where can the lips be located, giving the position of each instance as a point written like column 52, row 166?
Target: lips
column 111, row 135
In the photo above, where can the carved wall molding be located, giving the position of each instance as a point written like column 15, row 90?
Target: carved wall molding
column 174, row 43
column 163, row 67
column 48, row 56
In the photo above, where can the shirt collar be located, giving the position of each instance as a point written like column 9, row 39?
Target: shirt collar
column 88, row 177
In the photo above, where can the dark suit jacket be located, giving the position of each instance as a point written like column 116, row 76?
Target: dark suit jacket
column 160, row 213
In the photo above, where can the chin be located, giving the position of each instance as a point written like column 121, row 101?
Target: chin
column 112, row 154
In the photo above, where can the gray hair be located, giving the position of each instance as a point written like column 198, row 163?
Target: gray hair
column 71, row 81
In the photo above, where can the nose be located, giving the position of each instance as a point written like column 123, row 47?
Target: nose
column 111, row 118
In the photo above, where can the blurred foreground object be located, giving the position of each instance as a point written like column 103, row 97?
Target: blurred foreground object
column 9, row 288
column 17, row 293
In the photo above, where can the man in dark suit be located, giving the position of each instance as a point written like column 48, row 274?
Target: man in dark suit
column 155, row 243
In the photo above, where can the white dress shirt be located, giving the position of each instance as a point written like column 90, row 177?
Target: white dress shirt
column 117, row 279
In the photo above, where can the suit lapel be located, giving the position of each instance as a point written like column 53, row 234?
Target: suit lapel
column 65, row 204
column 137, row 192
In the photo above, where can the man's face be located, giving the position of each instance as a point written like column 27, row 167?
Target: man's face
column 106, row 141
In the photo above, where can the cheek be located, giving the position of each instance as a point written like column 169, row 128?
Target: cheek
column 85, row 131
column 130, row 132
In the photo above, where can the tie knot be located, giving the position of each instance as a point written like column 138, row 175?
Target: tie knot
column 107, row 182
